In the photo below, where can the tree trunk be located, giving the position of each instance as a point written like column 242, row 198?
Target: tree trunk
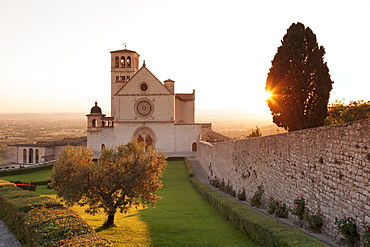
column 110, row 221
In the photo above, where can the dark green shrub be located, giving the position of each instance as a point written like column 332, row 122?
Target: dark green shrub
column 50, row 226
column 271, row 205
column 42, row 221
column 242, row 196
column 299, row 207
column 188, row 166
column 23, row 205
column 6, row 184
column 348, row 228
column 20, row 194
column 314, row 220
column 44, row 182
column 282, row 210
column 366, row 235
column 29, row 187
column 7, row 190
column 256, row 200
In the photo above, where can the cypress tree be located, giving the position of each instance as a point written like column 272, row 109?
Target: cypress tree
column 299, row 81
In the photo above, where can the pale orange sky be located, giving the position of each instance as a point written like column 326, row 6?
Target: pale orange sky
column 54, row 55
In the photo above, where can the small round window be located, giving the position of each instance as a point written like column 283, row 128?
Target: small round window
column 144, row 87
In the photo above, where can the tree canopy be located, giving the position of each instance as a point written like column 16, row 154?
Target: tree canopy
column 255, row 133
column 339, row 112
column 299, row 81
column 115, row 183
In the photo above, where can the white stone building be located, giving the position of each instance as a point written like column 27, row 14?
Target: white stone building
column 145, row 109
column 40, row 152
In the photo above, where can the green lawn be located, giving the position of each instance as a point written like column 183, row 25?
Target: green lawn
column 184, row 218
column 29, row 177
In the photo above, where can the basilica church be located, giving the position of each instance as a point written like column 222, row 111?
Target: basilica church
column 142, row 107
column 145, row 109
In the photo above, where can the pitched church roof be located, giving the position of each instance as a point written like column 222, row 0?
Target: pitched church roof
column 141, row 70
column 124, row 50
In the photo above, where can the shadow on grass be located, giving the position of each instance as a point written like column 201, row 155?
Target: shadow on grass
column 104, row 227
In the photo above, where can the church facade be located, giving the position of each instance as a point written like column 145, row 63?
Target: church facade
column 144, row 109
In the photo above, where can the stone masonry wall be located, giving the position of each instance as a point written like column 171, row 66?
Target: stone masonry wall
column 329, row 166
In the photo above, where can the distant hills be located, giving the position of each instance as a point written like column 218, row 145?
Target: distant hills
column 230, row 122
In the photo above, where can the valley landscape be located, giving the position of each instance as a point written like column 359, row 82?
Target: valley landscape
column 30, row 128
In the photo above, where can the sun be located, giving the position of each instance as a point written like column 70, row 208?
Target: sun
column 268, row 95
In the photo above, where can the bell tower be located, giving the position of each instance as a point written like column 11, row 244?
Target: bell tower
column 124, row 64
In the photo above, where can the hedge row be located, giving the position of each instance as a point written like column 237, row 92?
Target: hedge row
column 41, row 182
column 40, row 221
column 264, row 230
column 25, row 170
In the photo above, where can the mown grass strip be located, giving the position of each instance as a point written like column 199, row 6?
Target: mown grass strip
column 29, row 177
column 184, row 218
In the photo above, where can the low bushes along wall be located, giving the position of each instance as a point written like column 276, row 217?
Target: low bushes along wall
column 262, row 229
column 40, row 221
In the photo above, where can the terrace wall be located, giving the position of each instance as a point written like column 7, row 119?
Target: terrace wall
column 329, row 166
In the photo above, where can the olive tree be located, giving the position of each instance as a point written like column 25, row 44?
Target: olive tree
column 116, row 182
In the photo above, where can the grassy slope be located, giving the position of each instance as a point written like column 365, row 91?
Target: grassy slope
column 181, row 218
column 184, row 218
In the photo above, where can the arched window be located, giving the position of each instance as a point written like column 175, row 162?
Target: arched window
column 24, row 156
column 30, row 155
column 128, row 62
column 146, row 135
column 140, row 139
column 94, row 123
column 149, row 140
column 102, row 146
column 194, row 147
column 37, row 156
column 116, row 62
column 123, row 62
column 102, row 124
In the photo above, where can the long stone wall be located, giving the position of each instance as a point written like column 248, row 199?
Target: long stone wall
column 329, row 166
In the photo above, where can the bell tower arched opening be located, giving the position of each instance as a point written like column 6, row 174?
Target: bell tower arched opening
column 128, row 62
column 123, row 62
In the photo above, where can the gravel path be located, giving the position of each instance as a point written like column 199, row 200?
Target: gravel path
column 7, row 239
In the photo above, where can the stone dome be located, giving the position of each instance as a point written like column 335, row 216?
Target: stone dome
column 95, row 109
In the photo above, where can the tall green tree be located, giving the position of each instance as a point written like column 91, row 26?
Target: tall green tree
column 339, row 112
column 299, row 81
column 115, row 183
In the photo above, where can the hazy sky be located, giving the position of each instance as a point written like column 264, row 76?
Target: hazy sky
column 55, row 55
